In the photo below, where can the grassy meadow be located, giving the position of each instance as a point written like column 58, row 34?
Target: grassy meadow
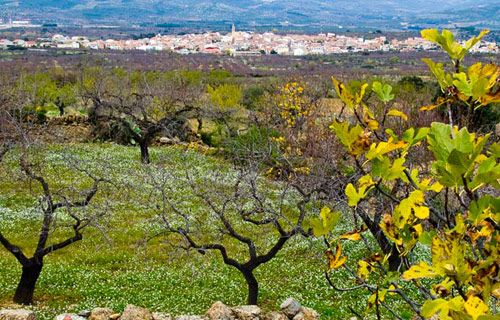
column 119, row 263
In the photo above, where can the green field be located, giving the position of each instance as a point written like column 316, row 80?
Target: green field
column 117, row 267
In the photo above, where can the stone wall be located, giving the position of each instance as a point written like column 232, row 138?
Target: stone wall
column 290, row 309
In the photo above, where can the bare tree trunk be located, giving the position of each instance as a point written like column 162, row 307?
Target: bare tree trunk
column 253, row 286
column 144, row 151
column 200, row 124
column 383, row 242
column 26, row 286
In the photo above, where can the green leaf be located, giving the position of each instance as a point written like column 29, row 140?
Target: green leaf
column 464, row 141
column 328, row 221
column 460, row 161
column 431, row 307
column 365, row 184
column 487, row 317
column 495, row 149
column 387, row 171
column 383, row 91
column 426, row 238
column 438, row 71
column 462, row 84
column 446, row 40
column 346, row 136
column 352, row 195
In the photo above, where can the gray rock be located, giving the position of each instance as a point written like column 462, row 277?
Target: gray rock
column 165, row 140
column 247, row 312
column 306, row 314
column 187, row 317
column 69, row 316
column 136, row 313
column 219, row 311
column 275, row 315
column 84, row 313
column 17, row 314
column 101, row 314
column 290, row 307
column 161, row 316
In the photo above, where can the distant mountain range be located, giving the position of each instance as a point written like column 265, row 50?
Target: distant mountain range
column 382, row 14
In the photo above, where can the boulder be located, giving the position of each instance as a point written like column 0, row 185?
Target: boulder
column 161, row 316
column 247, row 312
column 219, row 311
column 275, row 315
column 115, row 316
column 165, row 140
column 189, row 318
column 100, row 314
column 290, row 307
column 69, row 316
column 84, row 313
column 136, row 313
column 306, row 314
column 17, row 314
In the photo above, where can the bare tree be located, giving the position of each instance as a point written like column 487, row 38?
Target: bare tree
column 239, row 213
column 8, row 99
column 146, row 104
column 55, row 204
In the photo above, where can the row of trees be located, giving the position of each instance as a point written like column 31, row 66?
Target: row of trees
column 239, row 206
column 135, row 107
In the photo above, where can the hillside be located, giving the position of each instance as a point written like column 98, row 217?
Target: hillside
column 384, row 14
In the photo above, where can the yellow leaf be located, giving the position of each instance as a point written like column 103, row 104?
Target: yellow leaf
column 364, row 269
column 490, row 98
column 392, row 288
column 353, row 235
column 496, row 293
column 486, row 230
column 402, row 213
column 430, row 307
column 390, row 229
column 365, row 181
column 334, row 260
column 418, row 229
column 365, row 185
column 377, row 151
column 439, row 103
column 421, row 270
column 425, row 185
column 343, row 93
column 396, row 113
column 359, row 96
column 421, row 212
column 372, row 124
column 475, row 307
column 352, row 195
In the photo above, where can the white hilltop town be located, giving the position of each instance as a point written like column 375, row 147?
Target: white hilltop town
column 236, row 43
